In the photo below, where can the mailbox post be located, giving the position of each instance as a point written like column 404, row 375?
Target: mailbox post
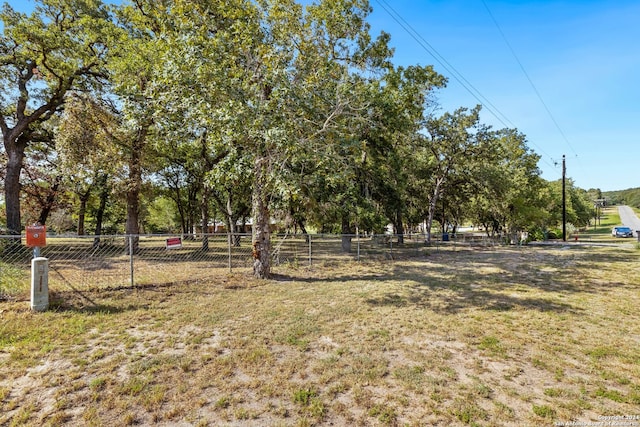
column 36, row 239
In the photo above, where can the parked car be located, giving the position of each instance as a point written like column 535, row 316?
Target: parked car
column 621, row 232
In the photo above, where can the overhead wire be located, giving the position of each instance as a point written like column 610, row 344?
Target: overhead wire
column 444, row 63
column 533, row 86
column 501, row 117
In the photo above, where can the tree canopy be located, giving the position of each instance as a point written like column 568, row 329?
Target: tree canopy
column 176, row 114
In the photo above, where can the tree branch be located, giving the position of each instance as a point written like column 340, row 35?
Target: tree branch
column 3, row 126
column 22, row 88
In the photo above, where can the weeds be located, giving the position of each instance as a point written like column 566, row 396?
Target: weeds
column 543, row 411
column 385, row 414
column 304, row 396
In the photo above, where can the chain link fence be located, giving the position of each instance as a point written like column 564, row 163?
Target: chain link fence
column 106, row 262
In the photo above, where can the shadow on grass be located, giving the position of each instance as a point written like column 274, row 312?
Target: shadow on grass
column 447, row 281
column 426, row 298
column 501, row 279
column 62, row 302
column 141, row 296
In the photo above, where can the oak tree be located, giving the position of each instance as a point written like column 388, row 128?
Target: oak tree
column 58, row 48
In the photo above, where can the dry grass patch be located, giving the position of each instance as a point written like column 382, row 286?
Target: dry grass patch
column 511, row 336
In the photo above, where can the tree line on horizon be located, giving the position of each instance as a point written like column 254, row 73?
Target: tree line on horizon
column 630, row 196
column 163, row 115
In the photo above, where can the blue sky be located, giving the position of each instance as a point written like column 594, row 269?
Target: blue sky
column 580, row 95
column 581, row 56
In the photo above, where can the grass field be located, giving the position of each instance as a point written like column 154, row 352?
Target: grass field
column 514, row 336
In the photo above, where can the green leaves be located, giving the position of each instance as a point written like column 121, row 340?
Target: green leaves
column 62, row 44
column 297, row 103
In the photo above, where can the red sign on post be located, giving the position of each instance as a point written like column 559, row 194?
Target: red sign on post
column 174, row 243
column 36, row 236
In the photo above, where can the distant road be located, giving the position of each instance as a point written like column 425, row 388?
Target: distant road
column 628, row 217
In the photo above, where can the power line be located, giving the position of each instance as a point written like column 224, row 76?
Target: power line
column 452, row 70
column 444, row 63
column 535, row 89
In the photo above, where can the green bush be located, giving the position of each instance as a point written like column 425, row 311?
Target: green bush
column 536, row 234
column 556, row 233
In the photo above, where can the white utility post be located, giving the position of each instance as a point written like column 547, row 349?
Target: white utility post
column 39, row 284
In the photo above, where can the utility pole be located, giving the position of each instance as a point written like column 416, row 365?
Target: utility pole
column 564, row 201
column 599, row 204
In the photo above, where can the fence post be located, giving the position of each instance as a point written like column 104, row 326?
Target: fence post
column 358, row 244
column 310, row 259
column 391, row 247
column 229, row 249
column 131, row 261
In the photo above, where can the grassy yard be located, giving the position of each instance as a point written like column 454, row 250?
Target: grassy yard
column 600, row 230
column 516, row 336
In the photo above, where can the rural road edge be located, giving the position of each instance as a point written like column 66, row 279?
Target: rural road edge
column 628, row 217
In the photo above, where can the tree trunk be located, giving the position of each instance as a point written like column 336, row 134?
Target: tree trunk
column 204, row 209
column 15, row 157
column 133, row 191
column 346, row 233
column 104, row 195
column 399, row 227
column 303, row 229
column 261, row 234
column 432, row 208
column 193, row 207
column 82, row 211
column 231, row 225
column 49, row 200
column 232, row 222
column 183, row 219
column 131, row 226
